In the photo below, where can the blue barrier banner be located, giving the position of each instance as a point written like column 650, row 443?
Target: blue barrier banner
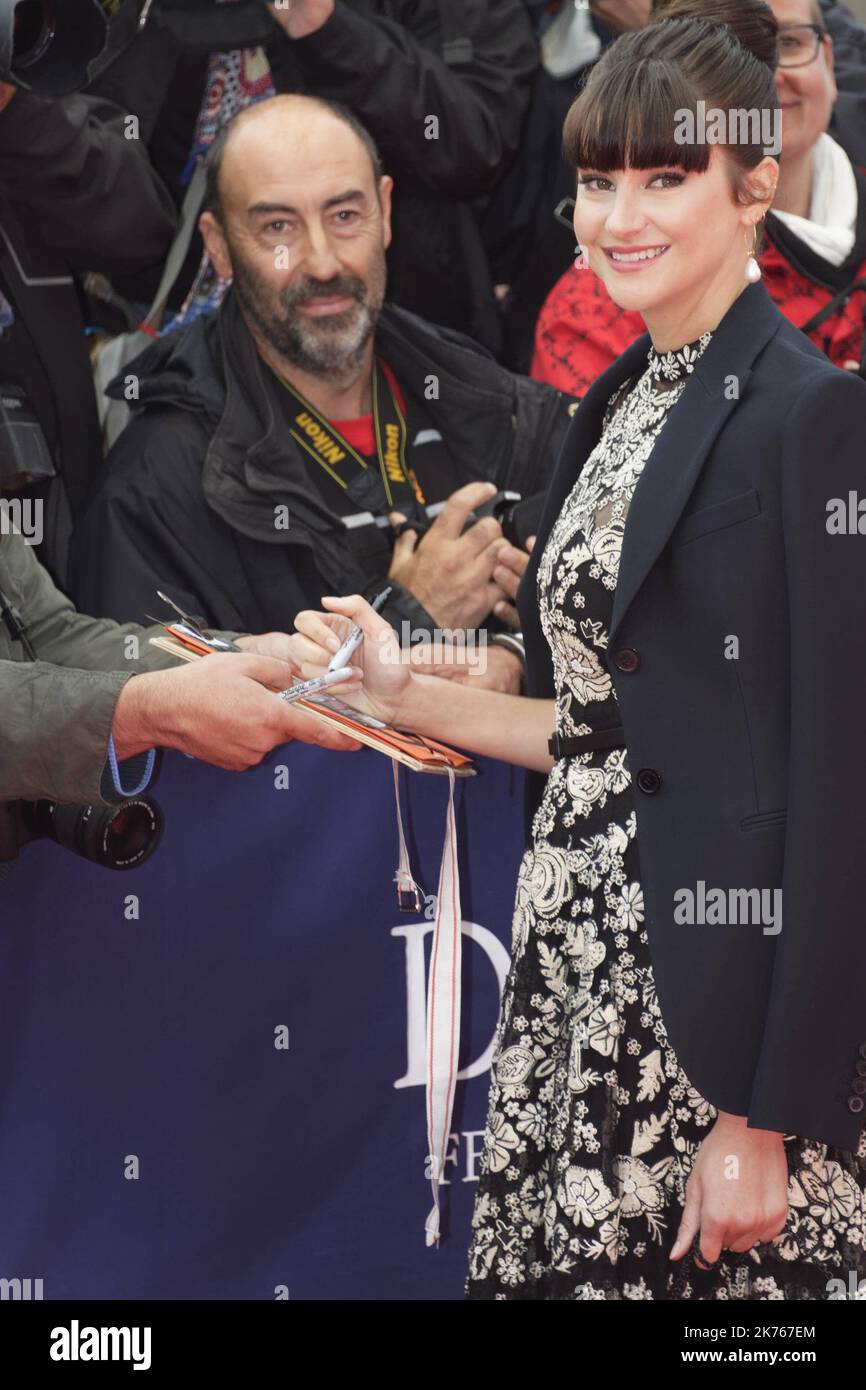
column 212, row 1067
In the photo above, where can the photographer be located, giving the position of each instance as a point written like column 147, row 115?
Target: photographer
column 78, row 693
column 75, row 196
column 466, row 65
column 275, row 440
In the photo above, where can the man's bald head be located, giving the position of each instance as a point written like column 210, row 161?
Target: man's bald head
column 276, row 124
column 299, row 219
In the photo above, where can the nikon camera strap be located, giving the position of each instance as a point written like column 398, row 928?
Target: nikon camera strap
column 392, row 486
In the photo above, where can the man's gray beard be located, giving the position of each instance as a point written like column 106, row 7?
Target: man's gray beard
column 333, row 351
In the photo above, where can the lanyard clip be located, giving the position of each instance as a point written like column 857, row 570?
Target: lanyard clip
column 408, row 899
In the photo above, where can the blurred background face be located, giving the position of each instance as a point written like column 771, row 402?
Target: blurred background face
column 659, row 237
column 806, row 94
column 304, row 233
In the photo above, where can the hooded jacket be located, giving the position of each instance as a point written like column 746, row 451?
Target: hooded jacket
column 187, row 503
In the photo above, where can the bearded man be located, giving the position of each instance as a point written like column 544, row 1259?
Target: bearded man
column 310, row 438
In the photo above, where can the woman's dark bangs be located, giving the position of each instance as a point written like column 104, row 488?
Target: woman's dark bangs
column 629, row 119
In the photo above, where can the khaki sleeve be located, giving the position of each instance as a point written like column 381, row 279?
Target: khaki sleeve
column 55, row 729
column 58, row 711
column 62, row 635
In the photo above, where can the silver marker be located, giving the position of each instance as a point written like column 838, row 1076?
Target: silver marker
column 356, row 635
column 300, row 692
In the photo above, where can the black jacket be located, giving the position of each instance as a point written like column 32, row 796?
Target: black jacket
column 848, row 122
column 188, row 495
column 396, row 63
column 75, row 195
column 748, row 773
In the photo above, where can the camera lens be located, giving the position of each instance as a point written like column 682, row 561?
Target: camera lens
column 32, row 31
column 53, row 47
column 116, row 837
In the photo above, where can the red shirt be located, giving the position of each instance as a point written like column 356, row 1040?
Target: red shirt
column 360, row 432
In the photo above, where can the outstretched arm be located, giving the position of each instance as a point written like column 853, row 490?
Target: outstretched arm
column 509, row 727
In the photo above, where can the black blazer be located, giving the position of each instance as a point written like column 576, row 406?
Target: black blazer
column 749, row 771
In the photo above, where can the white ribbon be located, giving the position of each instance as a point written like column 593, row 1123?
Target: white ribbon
column 443, row 995
column 443, row 1013
column 404, row 877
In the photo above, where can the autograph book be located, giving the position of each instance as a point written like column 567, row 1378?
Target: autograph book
column 415, row 751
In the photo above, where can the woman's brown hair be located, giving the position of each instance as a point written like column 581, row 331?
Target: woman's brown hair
column 628, row 112
column 752, row 22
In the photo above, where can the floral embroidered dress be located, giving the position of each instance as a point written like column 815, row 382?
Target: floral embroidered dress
column 593, row 1126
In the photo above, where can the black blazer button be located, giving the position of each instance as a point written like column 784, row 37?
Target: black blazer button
column 858, row 1085
column 863, row 1049
column 627, row 660
column 649, row 781
column 856, row 1104
column 860, row 1068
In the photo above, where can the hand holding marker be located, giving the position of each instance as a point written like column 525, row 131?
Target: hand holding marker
column 338, row 668
column 356, row 635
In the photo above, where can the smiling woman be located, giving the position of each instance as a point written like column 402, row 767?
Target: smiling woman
column 639, row 1052
column 658, row 214
column 813, row 242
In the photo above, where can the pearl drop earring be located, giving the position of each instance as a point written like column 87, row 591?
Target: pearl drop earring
column 753, row 270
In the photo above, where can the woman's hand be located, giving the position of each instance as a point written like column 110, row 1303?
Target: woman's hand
column 621, row 15
column 737, row 1192
column 301, row 17
column 387, row 674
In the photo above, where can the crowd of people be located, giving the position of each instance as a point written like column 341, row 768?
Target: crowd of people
column 470, row 317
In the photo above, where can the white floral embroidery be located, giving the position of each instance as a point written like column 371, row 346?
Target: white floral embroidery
column 593, row 1127
column 671, row 365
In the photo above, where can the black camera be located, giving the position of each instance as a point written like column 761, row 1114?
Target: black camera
column 517, row 515
column 53, row 47
column 501, row 506
column 115, row 837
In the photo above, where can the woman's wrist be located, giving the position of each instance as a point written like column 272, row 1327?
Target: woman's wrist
column 741, row 1123
column 415, row 703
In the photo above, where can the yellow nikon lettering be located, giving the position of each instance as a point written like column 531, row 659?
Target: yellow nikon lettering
column 321, row 440
column 393, row 466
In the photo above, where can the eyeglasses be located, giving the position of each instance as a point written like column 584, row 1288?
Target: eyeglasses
column 799, row 45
